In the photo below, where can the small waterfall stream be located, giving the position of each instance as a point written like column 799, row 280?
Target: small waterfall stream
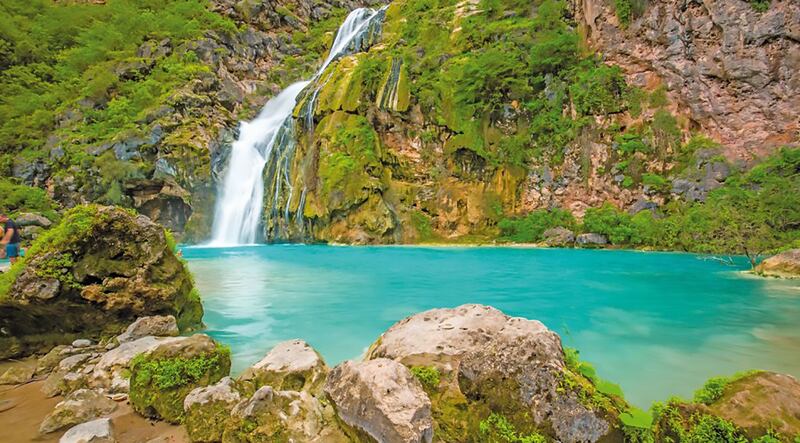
column 270, row 137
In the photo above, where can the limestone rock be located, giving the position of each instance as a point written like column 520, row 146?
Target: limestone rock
column 382, row 399
column 80, row 406
column 783, row 265
column 558, row 237
column 591, row 239
column 108, row 372
column 32, row 219
column 117, row 268
column 81, row 343
column 17, row 375
column 761, row 402
column 157, row 325
column 95, row 431
column 270, row 415
column 290, row 366
column 208, row 410
column 161, row 379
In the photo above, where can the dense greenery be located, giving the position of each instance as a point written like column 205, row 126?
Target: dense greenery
column 427, row 375
column 497, row 429
column 16, row 198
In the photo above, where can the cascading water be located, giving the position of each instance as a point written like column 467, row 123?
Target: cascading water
column 270, row 137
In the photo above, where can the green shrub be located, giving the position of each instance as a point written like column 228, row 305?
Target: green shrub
column 760, row 5
column 598, row 90
column 611, row 222
column 530, row 228
column 714, row 388
column 497, row 429
column 427, row 375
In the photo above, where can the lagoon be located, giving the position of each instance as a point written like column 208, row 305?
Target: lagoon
column 658, row 324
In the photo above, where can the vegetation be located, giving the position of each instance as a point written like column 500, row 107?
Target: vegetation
column 427, row 375
column 530, row 228
column 174, row 372
column 714, row 388
column 497, row 429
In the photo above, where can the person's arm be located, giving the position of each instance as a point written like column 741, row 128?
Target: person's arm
column 7, row 236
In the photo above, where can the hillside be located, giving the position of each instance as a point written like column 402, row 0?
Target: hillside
column 467, row 121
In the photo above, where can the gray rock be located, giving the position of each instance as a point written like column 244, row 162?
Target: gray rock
column 642, row 205
column 558, row 237
column 32, row 219
column 79, row 407
column 95, row 431
column 208, row 408
column 81, row 343
column 108, row 373
column 128, row 149
column 158, row 325
column 290, row 366
column 383, row 399
column 591, row 239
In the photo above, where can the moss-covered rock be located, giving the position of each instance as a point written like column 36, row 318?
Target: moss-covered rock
column 208, row 409
column 91, row 275
column 162, row 378
column 290, row 366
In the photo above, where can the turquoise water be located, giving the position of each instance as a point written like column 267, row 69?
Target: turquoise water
column 656, row 323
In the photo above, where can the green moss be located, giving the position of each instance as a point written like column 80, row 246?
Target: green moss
column 497, row 429
column 159, row 385
column 714, row 388
column 427, row 375
column 760, row 5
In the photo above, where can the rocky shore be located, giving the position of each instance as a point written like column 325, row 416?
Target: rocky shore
column 467, row 374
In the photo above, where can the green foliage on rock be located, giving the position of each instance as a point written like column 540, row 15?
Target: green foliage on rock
column 497, row 429
column 427, row 375
column 714, row 388
column 16, row 198
column 159, row 385
column 530, row 228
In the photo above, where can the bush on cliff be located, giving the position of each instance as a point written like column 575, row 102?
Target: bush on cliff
column 92, row 275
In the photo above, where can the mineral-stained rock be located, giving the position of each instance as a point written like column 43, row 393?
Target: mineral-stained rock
column 382, row 399
column 95, row 431
column 761, row 402
column 270, row 415
column 161, row 379
column 290, row 366
column 79, row 407
column 558, row 237
column 591, row 239
column 208, row 409
column 157, row 325
column 784, row 265
column 17, row 375
column 107, row 268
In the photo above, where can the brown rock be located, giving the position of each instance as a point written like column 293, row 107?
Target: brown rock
column 783, row 265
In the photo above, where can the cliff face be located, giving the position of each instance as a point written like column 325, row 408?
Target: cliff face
column 732, row 70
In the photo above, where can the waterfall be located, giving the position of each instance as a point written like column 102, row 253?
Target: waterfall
column 270, row 137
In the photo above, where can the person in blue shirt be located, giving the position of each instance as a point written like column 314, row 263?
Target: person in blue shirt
column 11, row 237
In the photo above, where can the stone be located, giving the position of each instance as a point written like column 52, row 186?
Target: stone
column 157, row 325
column 81, row 343
column 783, row 265
column 591, row 239
column 208, row 410
column 17, row 375
column 50, row 360
column 558, row 237
column 761, row 402
column 289, row 366
column 128, row 270
column 642, row 205
column 79, row 407
column 95, row 431
column 382, row 399
column 270, row 415
column 155, row 389
column 109, row 370
column 32, row 219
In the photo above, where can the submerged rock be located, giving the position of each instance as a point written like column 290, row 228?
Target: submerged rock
column 290, row 366
column 161, row 379
column 783, row 265
column 100, row 268
column 382, row 399
column 79, row 407
column 95, row 431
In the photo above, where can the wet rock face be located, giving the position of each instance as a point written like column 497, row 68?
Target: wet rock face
column 736, row 70
column 783, row 265
column 382, row 399
column 107, row 268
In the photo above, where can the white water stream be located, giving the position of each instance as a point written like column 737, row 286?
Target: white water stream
column 239, row 208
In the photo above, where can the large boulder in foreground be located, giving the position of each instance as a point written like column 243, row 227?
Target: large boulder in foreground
column 478, row 363
column 381, row 399
column 783, row 265
column 91, row 275
column 208, row 410
column 161, row 378
column 290, row 366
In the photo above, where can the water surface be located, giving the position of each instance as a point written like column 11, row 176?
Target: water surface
column 656, row 323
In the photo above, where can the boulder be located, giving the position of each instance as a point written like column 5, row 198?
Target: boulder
column 382, row 399
column 81, row 343
column 17, row 374
column 31, row 219
column 783, row 265
column 290, row 366
column 591, row 239
column 161, row 379
column 208, row 409
column 79, row 407
column 102, row 268
column 270, row 415
column 95, row 431
column 558, row 237
column 492, row 363
column 157, row 325
column 762, row 402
